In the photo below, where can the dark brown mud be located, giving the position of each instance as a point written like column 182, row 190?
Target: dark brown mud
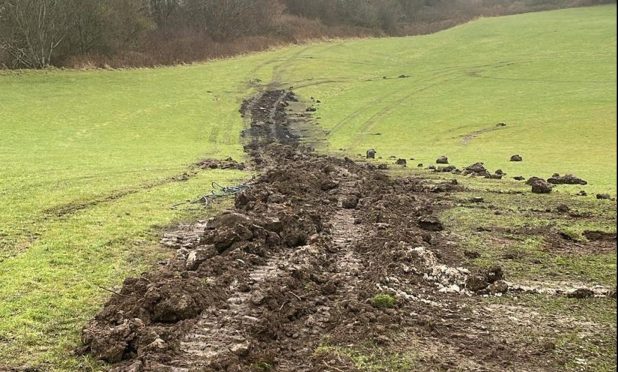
column 292, row 272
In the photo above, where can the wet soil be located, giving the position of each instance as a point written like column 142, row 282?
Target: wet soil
column 296, row 264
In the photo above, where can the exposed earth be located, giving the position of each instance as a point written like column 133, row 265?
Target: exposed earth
column 320, row 259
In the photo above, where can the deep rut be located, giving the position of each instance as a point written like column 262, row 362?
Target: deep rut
column 287, row 279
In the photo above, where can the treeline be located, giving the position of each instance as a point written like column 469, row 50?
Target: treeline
column 98, row 33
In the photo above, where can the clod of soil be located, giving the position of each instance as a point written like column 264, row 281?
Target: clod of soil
column 581, row 293
column 599, row 236
column 401, row 162
column 519, row 178
column 541, row 187
column 447, row 169
column 349, row 202
column 472, row 254
column 494, row 176
column 516, row 158
column 371, row 154
column 430, row 223
column 533, row 179
column 563, row 208
column 442, row 160
column 228, row 163
column 603, row 196
column 476, row 169
column 568, row 179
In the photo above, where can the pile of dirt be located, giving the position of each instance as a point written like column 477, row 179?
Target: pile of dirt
column 301, row 258
column 476, row 169
column 228, row 163
column 568, row 179
column 442, row 160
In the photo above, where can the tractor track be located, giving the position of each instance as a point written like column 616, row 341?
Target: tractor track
column 295, row 266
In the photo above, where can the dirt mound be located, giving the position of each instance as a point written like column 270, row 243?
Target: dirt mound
column 228, row 163
column 442, row 160
column 476, row 169
column 568, row 179
column 539, row 186
column 316, row 250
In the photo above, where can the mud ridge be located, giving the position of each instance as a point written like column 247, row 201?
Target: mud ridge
column 297, row 264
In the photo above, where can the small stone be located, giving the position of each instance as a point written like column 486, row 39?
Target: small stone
column 603, row 196
column 371, row 154
column 476, row 199
column 516, row 158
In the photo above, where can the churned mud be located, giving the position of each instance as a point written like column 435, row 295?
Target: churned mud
column 319, row 255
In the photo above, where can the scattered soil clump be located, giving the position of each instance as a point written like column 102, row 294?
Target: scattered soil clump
column 539, row 186
column 568, row 179
column 228, row 163
column 476, row 169
column 442, row 160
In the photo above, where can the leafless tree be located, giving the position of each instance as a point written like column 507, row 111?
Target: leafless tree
column 32, row 30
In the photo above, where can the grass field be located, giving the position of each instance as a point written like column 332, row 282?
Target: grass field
column 89, row 156
column 551, row 77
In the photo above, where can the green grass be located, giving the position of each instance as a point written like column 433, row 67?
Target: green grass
column 534, row 224
column 550, row 76
column 110, row 141
column 383, row 301
column 371, row 358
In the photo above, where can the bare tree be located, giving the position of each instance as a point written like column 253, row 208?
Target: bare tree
column 32, row 30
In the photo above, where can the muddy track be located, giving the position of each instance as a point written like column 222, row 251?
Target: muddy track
column 296, row 265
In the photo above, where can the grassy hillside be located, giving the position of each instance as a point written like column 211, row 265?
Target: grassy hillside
column 551, row 77
column 89, row 156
